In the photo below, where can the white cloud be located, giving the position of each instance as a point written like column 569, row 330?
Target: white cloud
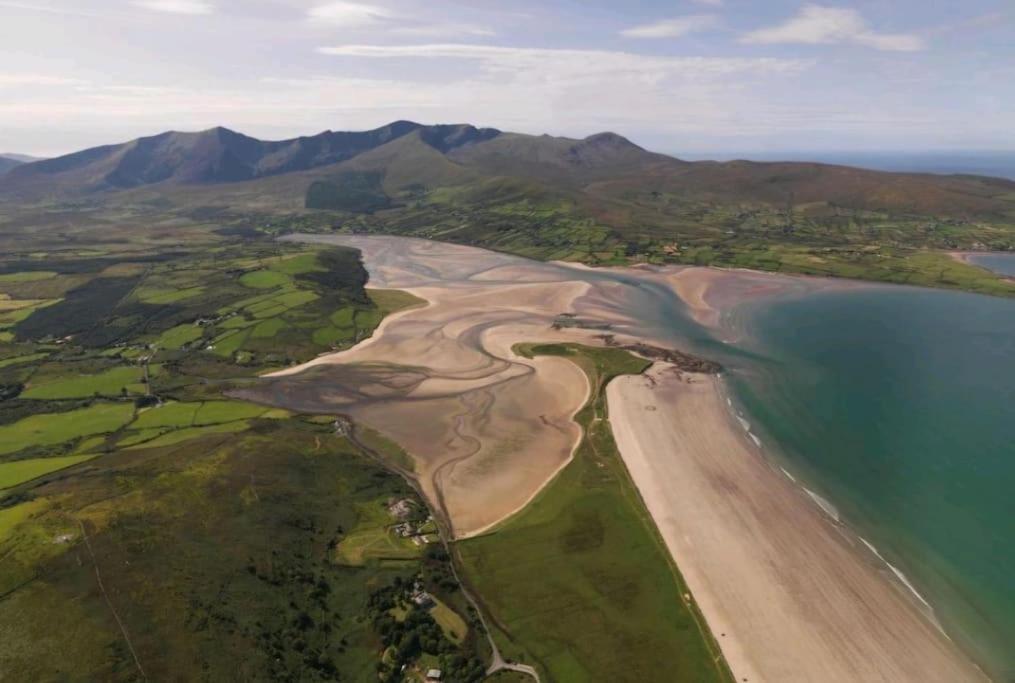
column 433, row 30
column 710, row 3
column 349, row 14
column 177, row 6
column 344, row 14
column 568, row 69
column 672, row 28
column 815, row 24
column 29, row 79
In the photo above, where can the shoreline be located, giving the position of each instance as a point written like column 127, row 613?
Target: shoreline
column 827, row 507
column 759, row 553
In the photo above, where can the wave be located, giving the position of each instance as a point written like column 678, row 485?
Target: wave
column 827, row 507
column 898, row 573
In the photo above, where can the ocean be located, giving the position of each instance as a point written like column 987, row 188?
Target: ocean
column 999, row 164
column 897, row 405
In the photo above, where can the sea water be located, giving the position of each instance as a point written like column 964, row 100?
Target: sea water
column 1003, row 264
column 898, row 404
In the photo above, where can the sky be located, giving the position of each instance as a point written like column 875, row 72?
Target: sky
column 693, row 76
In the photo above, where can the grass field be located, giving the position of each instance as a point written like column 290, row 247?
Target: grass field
column 264, row 279
column 186, row 434
column 451, row 623
column 27, row 276
column 49, row 430
column 212, row 523
column 18, row 360
column 580, row 582
column 374, row 539
column 20, row 471
column 112, row 382
column 12, row 516
column 177, row 337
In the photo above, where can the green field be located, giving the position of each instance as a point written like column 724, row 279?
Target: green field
column 20, row 471
column 186, row 434
column 49, row 430
column 373, row 539
column 18, row 360
column 264, row 279
column 177, row 337
column 27, row 276
column 580, row 581
column 13, row 516
column 113, row 382
column 220, row 519
column 451, row 623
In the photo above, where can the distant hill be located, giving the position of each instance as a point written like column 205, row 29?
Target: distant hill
column 218, row 155
column 23, row 158
column 610, row 176
column 8, row 162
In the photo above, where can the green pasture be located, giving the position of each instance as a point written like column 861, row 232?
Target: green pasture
column 56, row 428
column 264, row 279
column 27, row 276
column 373, row 539
column 112, row 382
column 580, row 581
column 20, row 471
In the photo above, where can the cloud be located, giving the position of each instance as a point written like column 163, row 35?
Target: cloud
column 710, row 3
column 349, row 14
column 41, row 80
column 177, row 6
column 344, row 14
column 672, row 28
column 815, row 24
column 433, row 30
column 580, row 64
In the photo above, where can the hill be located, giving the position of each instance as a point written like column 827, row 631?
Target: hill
column 8, row 162
column 218, row 155
column 598, row 168
column 601, row 199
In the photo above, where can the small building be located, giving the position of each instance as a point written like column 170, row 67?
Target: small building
column 423, row 599
column 402, row 509
column 433, row 675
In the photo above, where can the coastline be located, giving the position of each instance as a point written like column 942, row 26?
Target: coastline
column 787, row 593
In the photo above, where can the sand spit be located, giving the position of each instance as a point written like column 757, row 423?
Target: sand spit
column 787, row 592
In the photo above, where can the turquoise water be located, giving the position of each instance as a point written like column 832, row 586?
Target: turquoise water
column 898, row 404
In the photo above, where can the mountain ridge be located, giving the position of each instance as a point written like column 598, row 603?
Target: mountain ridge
column 598, row 170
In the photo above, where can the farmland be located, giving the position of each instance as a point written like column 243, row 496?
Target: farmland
column 212, row 523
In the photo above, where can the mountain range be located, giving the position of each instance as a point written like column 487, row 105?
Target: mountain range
column 9, row 161
column 602, row 170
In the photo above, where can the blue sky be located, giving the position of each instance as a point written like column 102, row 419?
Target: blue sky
column 696, row 76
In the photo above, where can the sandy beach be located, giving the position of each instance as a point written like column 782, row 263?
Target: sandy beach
column 789, row 595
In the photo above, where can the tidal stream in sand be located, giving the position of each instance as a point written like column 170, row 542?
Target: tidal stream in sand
column 893, row 405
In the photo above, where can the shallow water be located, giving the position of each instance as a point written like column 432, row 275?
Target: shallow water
column 898, row 404
column 1003, row 264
